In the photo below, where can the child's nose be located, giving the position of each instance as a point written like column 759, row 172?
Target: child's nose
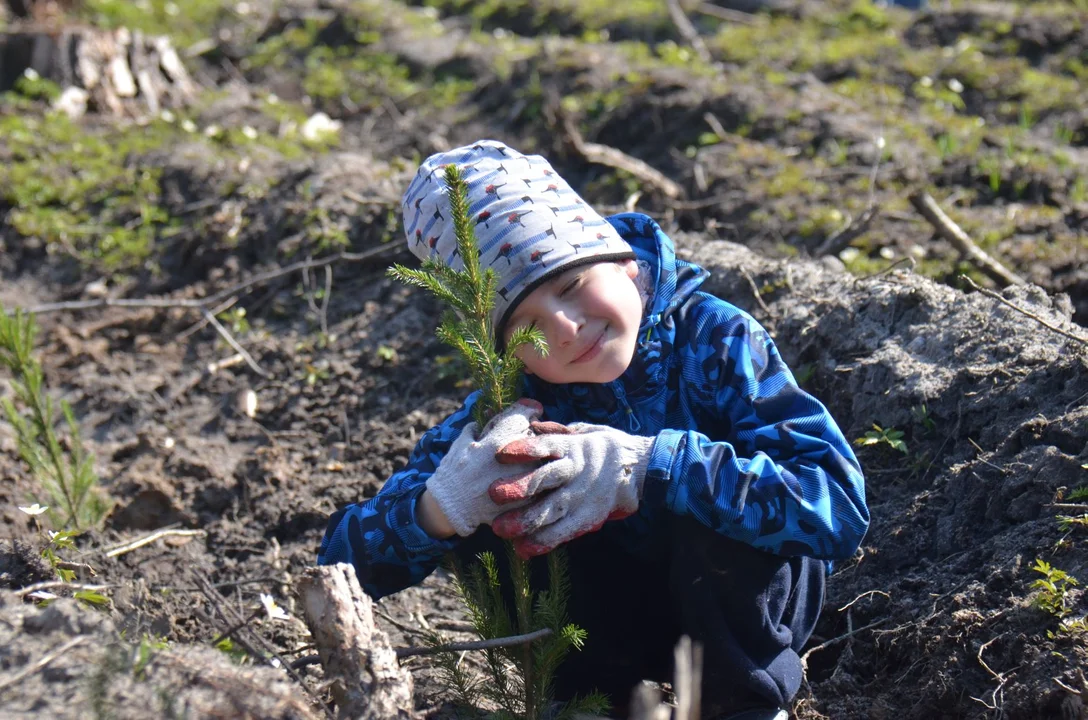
column 565, row 329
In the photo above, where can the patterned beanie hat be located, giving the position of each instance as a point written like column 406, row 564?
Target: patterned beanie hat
column 530, row 225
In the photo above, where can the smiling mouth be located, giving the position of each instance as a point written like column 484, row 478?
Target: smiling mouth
column 592, row 350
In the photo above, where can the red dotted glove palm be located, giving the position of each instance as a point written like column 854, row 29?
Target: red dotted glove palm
column 591, row 474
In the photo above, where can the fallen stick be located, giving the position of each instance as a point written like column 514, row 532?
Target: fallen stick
column 924, row 203
column 148, row 539
column 403, row 652
column 610, row 156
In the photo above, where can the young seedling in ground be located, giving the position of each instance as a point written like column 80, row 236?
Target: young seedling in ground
column 467, row 326
column 883, row 436
column 65, row 473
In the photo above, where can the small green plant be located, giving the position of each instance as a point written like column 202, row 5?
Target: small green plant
column 237, row 654
column 527, row 693
column 142, row 654
column 64, row 472
column 60, row 541
column 923, row 417
column 1069, row 522
column 1053, row 587
column 883, row 436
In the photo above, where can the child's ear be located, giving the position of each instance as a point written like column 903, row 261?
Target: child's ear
column 631, row 268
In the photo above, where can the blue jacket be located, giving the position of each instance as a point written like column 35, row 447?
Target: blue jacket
column 740, row 447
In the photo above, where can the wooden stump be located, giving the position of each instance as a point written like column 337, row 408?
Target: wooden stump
column 367, row 680
column 121, row 72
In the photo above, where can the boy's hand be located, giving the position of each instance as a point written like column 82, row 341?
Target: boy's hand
column 460, row 483
column 595, row 474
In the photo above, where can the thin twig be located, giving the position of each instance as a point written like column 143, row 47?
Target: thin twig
column 840, row 638
column 908, row 260
column 1074, row 507
column 232, row 342
column 839, row 241
column 235, row 628
column 77, row 567
column 148, row 539
column 924, row 203
column 50, row 584
column 978, row 447
column 325, row 302
column 1017, row 308
column 217, row 586
column 688, row 31
column 513, row 640
column 212, row 300
column 41, row 663
column 755, row 292
column 716, row 125
column 224, row 611
column 200, row 324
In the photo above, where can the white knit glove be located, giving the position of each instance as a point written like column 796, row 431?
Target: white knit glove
column 460, row 482
column 595, row 474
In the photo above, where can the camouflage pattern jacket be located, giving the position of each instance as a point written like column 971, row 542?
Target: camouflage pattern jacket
column 740, row 447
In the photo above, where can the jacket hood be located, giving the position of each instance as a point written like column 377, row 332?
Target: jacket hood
column 668, row 283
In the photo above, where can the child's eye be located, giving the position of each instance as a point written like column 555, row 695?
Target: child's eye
column 570, row 285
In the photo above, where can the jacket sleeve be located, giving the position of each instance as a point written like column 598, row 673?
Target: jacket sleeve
column 770, row 468
column 381, row 537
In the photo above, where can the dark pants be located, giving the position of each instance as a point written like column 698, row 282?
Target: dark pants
column 752, row 612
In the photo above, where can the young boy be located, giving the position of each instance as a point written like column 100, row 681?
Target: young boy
column 695, row 487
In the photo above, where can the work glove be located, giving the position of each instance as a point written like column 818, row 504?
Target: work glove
column 460, row 483
column 595, row 474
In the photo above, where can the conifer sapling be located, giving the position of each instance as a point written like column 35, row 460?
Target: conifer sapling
column 467, row 326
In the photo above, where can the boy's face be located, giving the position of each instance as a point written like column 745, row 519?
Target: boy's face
column 590, row 317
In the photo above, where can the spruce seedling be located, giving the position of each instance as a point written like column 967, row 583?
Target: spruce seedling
column 65, row 472
column 467, row 326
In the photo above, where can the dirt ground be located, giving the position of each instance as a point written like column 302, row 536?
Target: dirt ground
column 804, row 119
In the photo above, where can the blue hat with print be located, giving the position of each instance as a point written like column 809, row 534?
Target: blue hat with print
column 530, row 225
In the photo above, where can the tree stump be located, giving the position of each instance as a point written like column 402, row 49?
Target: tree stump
column 114, row 71
column 367, row 680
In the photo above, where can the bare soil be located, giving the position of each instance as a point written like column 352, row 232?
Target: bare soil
column 935, row 617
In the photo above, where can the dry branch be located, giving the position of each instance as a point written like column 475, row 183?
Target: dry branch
column 1017, row 308
column 367, row 681
column 404, row 652
column 610, row 156
column 202, row 305
column 925, row 204
column 148, row 539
